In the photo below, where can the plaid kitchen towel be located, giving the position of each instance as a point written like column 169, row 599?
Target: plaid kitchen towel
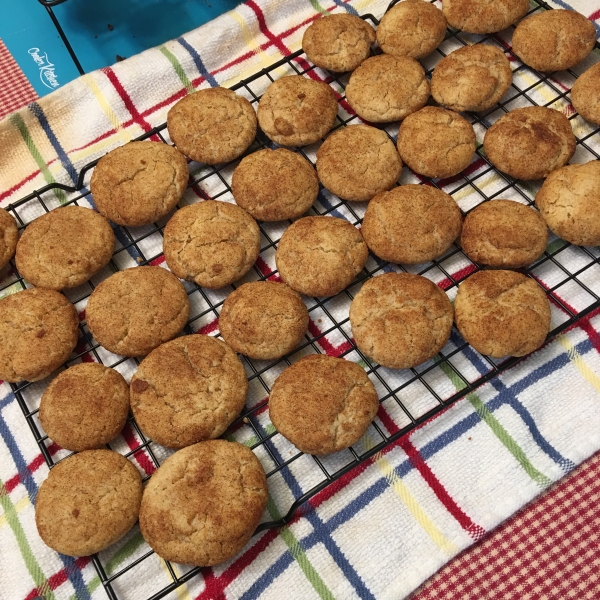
column 387, row 525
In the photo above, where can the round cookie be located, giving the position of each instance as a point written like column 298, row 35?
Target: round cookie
column 484, row 16
column 263, row 319
column 323, row 404
column 472, row 78
column 411, row 28
column 357, row 162
column 338, row 42
column 585, row 94
column 504, row 233
column 411, row 224
column 64, row 248
column 134, row 311
column 320, row 256
column 212, row 126
column 275, row 185
column 297, row 111
column 38, row 332
column 400, row 320
column 569, row 201
column 502, row 313
column 529, row 143
column 204, row 502
column 85, row 407
column 138, row 183
column 554, row 40
column 387, row 88
column 187, row 390
column 88, row 502
column 212, row 243
column 436, row 142
column 9, row 236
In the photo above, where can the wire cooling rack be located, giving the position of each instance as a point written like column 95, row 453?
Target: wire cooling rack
column 570, row 275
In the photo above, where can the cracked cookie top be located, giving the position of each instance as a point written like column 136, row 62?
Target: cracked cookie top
column 134, row 311
column 357, row 162
column 502, row 313
column 9, row 236
column 484, row 16
column 212, row 243
column 188, row 390
column 585, row 95
column 323, row 404
column 204, row 502
column 212, row 126
column 387, row 88
column 88, row 502
column 400, row 320
column 139, row 182
column 320, row 256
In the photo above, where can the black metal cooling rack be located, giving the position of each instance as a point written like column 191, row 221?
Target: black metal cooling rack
column 408, row 398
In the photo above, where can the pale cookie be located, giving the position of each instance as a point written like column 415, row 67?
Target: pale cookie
column 570, row 203
column 139, row 183
column 436, row 142
column 203, row 504
column 357, row 162
column 212, row 126
column 387, row 88
column 411, row 224
column 529, row 143
column 585, row 94
column 411, row 28
column 400, row 320
column 275, row 185
column 554, row 40
column 484, row 16
column 472, row 78
column 85, row 407
column 263, row 319
column 9, row 236
column 88, row 502
column 38, row 332
column 323, row 404
column 320, row 256
column 297, row 111
column 338, row 42
column 187, row 390
column 504, row 233
column 134, row 311
column 502, row 313
column 212, row 243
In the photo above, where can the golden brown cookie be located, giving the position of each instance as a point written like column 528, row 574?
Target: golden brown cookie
column 134, row 311
column 357, row 162
column 436, row 142
column 570, row 203
column 213, row 125
column 484, row 16
column 138, row 183
column 554, row 40
column 297, row 111
column 38, row 332
column 320, row 256
column 411, row 28
column 64, row 248
column 187, row 390
column 212, row 243
column 387, row 88
column 274, row 185
column 338, row 42
column 411, row 224
column 530, row 143
column 263, row 319
column 85, row 407
column 502, row 313
column 472, row 78
column 504, row 233
column 9, row 236
column 323, row 404
column 400, row 320
column 88, row 502
column 585, row 94
column 203, row 504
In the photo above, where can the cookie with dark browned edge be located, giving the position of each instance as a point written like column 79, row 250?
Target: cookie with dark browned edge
column 484, row 16
column 585, row 94
column 9, row 236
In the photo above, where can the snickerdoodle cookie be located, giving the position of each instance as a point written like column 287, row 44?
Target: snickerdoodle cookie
column 484, row 16
column 585, row 94
column 9, row 236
